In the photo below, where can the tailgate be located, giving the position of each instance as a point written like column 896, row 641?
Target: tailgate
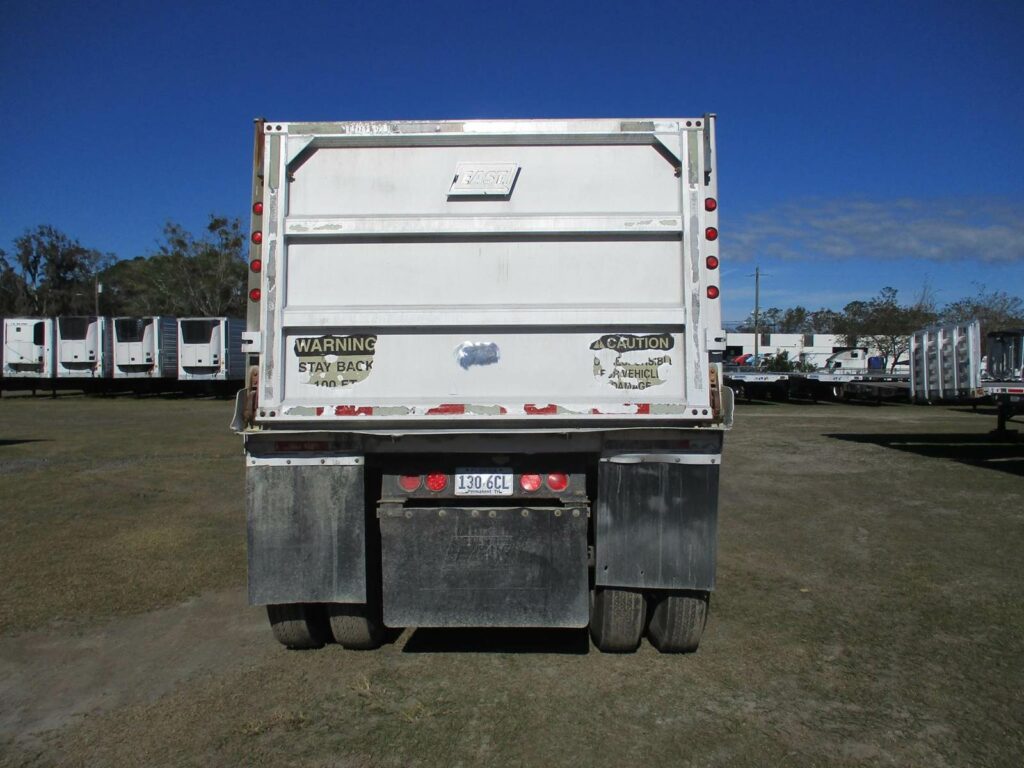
column 484, row 270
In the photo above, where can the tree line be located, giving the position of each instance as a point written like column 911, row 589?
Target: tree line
column 48, row 273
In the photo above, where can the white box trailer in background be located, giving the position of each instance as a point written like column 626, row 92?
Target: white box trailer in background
column 84, row 347
column 210, row 349
column 1003, row 379
column 945, row 363
column 28, row 347
column 145, row 347
column 489, row 390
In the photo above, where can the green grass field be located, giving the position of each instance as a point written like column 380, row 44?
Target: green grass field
column 868, row 612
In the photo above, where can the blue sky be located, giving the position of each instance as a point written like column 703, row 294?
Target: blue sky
column 860, row 144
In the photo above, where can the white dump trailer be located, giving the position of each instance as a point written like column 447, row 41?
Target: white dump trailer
column 145, row 347
column 84, row 347
column 945, row 363
column 210, row 349
column 485, row 385
column 28, row 347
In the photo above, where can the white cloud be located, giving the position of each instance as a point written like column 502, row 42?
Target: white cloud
column 897, row 229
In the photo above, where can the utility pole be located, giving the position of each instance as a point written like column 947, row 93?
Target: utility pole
column 757, row 315
column 98, row 289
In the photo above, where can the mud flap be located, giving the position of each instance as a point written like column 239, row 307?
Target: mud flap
column 656, row 525
column 307, row 534
column 502, row 567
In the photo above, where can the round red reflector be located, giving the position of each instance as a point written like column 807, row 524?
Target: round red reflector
column 529, row 483
column 711, row 233
column 256, row 265
column 558, row 482
column 257, row 208
column 257, row 237
column 255, row 294
column 710, row 204
column 712, row 291
column 712, row 262
column 436, row 482
column 409, row 483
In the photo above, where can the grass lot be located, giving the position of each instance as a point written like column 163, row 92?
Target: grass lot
column 868, row 612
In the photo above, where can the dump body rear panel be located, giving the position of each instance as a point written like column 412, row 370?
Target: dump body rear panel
column 945, row 362
column 489, row 270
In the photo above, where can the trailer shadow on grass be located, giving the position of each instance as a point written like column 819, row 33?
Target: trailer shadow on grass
column 15, row 441
column 551, row 641
column 1004, row 454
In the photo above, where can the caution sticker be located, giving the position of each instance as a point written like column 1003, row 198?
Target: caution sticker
column 335, row 361
column 632, row 361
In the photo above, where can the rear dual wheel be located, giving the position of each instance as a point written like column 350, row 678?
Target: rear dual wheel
column 303, row 626
column 676, row 624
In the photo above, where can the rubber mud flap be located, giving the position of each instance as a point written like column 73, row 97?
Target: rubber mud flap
column 617, row 620
column 677, row 622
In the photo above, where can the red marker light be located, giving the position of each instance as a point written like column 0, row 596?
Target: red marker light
column 257, row 208
column 712, row 262
column 256, row 265
column 711, row 233
column 436, row 482
column 558, row 482
column 257, row 237
column 529, row 483
column 712, row 291
column 409, row 483
column 710, row 204
column 255, row 294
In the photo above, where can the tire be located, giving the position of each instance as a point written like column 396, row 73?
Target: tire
column 299, row 626
column 354, row 627
column 617, row 619
column 677, row 622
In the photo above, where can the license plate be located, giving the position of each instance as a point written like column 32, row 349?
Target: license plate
column 477, row 482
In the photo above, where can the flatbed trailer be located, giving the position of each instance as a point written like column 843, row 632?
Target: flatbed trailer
column 749, row 383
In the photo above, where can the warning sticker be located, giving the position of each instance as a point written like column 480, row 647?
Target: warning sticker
column 335, row 361
column 632, row 361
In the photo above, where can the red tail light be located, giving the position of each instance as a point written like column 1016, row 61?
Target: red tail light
column 257, row 208
column 257, row 237
column 256, row 265
column 558, row 482
column 255, row 294
column 710, row 204
column 712, row 291
column 529, row 483
column 410, row 483
column 712, row 262
column 711, row 233
column 436, row 482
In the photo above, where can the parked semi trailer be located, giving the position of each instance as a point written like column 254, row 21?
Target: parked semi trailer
column 485, row 388
column 145, row 347
column 945, row 363
column 1004, row 374
column 210, row 349
column 84, row 347
column 28, row 347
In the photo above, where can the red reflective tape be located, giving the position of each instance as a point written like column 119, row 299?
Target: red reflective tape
column 595, row 411
column 353, row 410
column 319, row 410
column 643, row 409
column 1016, row 391
column 447, row 409
column 547, row 410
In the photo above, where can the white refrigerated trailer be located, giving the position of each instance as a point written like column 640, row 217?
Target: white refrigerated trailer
column 210, row 349
column 145, row 347
column 28, row 347
column 945, row 363
column 84, row 347
column 485, row 386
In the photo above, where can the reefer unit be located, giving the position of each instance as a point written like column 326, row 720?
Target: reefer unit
column 210, row 349
column 84, row 347
column 28, row 347
column 145, row 347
